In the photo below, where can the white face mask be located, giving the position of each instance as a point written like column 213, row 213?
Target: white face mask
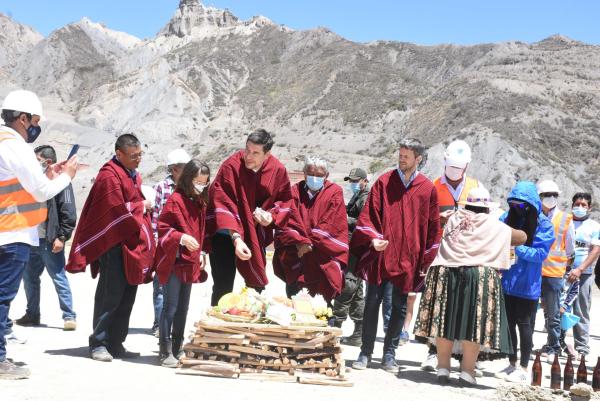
column 550, row 202
column 454, row 173
column 200, row 188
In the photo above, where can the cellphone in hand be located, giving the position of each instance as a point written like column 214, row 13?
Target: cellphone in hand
column 73, row 151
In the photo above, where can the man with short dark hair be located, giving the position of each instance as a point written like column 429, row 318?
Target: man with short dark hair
column 50, row 253
column 249, row 198
column 395, row 241
column 114, row 236
column 24, row 190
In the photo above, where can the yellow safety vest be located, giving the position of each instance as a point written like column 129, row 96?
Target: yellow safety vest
column 18, row 208
column 555, row 264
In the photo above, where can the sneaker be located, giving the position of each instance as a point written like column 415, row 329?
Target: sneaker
column 101, row 354
column 389, row 364
column 504, row 373
column 519, row 376
column 28, row 320
column 362, row 362
column 478, row 369
column 430, row 364
column 443, row 376
column 10, row 371
column 404, row 337
column 11, row 338
column 466, row 380
column 70, row 325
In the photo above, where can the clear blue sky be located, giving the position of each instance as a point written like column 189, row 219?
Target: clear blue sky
column 418, row 21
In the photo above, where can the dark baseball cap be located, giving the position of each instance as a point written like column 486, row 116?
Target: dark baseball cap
column 356, row 174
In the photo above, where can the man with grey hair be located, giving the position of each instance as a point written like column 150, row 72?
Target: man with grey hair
column 395, row 241
column 317, row 265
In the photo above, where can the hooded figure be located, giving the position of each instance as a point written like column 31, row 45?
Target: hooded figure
column 524, row 279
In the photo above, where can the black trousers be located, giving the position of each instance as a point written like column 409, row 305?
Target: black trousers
column 519, row 313
column 113, row 302
column 222, row 266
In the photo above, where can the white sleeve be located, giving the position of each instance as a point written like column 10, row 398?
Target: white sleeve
column 20, row 159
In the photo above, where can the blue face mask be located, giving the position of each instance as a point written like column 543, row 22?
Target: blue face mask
column 580, row 212
column 33, row 132
column 315, row 183
column 354, row 187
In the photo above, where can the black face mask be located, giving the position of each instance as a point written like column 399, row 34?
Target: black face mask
column 33, row 132
column 520, row 209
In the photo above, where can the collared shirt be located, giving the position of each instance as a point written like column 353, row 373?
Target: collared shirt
column 164, row 190
column 310, row 193
column 455, row 192
column 131, row 173
column 17, row 160
column 410, row 180
column 570, row 239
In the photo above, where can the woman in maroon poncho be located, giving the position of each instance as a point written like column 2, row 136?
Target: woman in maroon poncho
column 179, row 261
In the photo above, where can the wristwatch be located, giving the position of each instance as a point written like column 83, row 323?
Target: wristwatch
column 235, row 236
column 62, row 238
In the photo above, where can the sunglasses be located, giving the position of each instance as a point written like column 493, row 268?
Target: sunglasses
column 518, row 205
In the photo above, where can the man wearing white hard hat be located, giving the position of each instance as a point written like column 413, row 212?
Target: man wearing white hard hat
column 24, row 190
column 452, row 188
column 176, row 160
column 555, row 266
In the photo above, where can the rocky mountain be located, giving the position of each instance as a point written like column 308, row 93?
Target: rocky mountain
column 530, row 111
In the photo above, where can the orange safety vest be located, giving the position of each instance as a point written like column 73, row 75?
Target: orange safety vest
column 18, row 208
column 446, row 200
column 555, row 264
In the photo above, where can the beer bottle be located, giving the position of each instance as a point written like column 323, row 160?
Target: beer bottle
column 555, row 373
column 536, row 371
column 596, row 376
column 582, row 371
column 568, row 374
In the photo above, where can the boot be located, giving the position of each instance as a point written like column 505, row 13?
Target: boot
column 355, row 338
column 167, row 360
column 177, row 349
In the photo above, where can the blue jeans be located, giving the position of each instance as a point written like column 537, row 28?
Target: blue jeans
column 374, row 297
column 13, row 259
column 157, row 300
column 551, row 291
column 386, row 307
column 174, row 313
column 42, row 257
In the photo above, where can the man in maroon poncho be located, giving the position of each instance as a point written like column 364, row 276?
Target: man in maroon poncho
column 322, row 216
column 395, row 241
column 250, row 196
column 114, row 236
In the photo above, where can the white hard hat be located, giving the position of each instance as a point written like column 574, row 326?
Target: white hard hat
column 457, row 154
column 177, row 156
column 23, row 101
column 547, row 186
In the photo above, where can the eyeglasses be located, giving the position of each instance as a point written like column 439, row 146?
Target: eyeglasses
column 518, row 205
column 549, row 195
column 484, row 200
column 136, row 156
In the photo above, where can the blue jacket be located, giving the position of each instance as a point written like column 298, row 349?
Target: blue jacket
column 524, row 278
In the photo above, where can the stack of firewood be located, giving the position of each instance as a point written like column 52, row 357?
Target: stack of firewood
column 305, row 354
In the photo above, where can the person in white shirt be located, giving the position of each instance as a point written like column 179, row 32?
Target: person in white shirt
column 24, row 190
column 587, row 249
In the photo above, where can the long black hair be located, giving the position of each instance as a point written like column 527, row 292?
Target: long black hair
column 527, row 222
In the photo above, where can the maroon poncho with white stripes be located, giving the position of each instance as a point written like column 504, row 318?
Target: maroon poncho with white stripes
column 234, row 195
column 323, row 219
column 114, row 214
column 409, row 219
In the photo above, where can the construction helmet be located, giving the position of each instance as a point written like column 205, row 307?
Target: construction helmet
column 547, row 186
column 177, row 156
column 457, row 154
column 23, row 101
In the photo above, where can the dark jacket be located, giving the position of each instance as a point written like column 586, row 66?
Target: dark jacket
column 355, row 206
column 62, row 215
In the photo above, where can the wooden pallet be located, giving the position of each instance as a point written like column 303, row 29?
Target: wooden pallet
column 253, row 351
